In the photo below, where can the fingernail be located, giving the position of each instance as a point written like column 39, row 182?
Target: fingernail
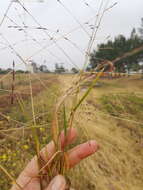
column 94, row 146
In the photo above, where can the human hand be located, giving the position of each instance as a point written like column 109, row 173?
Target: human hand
column 28, row 179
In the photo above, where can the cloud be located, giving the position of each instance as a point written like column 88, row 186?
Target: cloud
column 59, row 20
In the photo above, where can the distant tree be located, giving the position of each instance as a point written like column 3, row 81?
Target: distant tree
column 74, row 70
column 20, row 71
column 47, row 71
column 62, row 69
column 5, row 71
column 59, row 68
column 2, row 71
column 141, row 29
column 9, row 69
column 142, row 70
column 116, row 48
column 43, row 68
column 26, row 72
column 141, row 36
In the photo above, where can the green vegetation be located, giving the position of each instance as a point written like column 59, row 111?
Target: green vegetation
column 17, row 145
column 114, row 117
column 36, row 106
column 114, row 120
column 124, row 105
column 118, row 47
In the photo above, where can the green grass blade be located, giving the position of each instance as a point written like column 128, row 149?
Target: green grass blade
column 89, row 90
column 65, row 120
column 36, row 139
column 10, row 177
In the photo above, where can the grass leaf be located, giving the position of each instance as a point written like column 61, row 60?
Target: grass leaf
column 65, row 120
column 88, row 90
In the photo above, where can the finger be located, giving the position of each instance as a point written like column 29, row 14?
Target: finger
column 58, row 183
column 48, row 151
column 68, row 138
column 82, row 151
column 32, row 169
column 75, row 156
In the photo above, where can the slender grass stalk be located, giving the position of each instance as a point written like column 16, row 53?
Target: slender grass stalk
column 13, row 83
column 51, row 160
column 23, row 128
column 65, row 120
column 88, row 90
column 34, row 130
column 20, row 103
column 2, row 85
column 90, row 44
column 10, row 177
column 34, row 121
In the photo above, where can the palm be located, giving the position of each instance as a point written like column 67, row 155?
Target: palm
column 28, row 179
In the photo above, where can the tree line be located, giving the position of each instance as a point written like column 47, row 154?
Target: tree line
column 118, row 47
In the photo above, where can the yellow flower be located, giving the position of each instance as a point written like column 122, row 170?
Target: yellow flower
column 14, row 164
column 14, row 154
column 26, row 147
column 42, row 129
column 4, row 157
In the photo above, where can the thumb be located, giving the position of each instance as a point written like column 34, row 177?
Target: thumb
column 58, row 183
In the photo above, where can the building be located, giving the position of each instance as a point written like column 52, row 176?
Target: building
column 32, row 67
column 43, row 68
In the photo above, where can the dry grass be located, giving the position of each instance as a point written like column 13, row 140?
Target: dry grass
column 17, row 144
column 32, row 99
column 25, row 114
column 118, row 165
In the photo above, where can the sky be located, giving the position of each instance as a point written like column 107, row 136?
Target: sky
column 68, row 27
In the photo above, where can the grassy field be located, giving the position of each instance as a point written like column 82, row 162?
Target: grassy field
column 112, row 114
column 16, row 138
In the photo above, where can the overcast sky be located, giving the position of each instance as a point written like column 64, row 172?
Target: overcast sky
column 58, row 20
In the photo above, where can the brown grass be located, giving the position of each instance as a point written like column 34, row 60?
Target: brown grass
column 118, row 165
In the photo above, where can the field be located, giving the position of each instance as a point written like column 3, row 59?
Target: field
column 112, row 114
